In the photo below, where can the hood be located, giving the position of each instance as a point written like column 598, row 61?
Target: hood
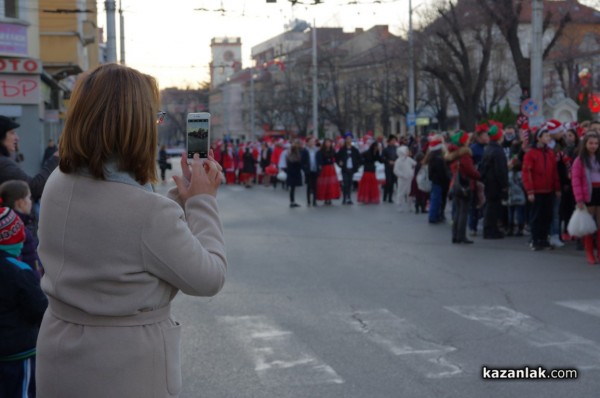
column 402, row 151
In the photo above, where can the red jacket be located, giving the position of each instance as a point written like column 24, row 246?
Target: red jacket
column 464, row 157
column 540, row 174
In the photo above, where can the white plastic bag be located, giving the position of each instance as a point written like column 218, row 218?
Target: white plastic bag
column 423, row 181
column 581, row 223
column 282, row 176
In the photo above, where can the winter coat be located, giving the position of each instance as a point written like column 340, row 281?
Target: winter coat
column 341, row 158
column 115, row 256
column 463, row 156
column 29, row 254
column 265, row 158
column 540, row 174
column 325, row 158
column 404, row 166
column 437, row 169
column 22, row 305
column 477, row 151
column 494, row 171
column 388, row 155
column 294, row 172
column 249, row 163
column 368, row 159
column 10, row 170
column 580, row 181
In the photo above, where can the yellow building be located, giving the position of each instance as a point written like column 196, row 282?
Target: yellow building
column 69, row 37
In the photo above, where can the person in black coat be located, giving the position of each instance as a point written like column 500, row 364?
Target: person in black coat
column 248, row 167
column 265, row 161
column 294, row 170
column 439, row 175
column 22, row 306
column 389, row 157
column 310, row 167
column 494, row 174
column 348, row 158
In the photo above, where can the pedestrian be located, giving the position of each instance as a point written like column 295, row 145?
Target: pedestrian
column 116, row 253
column 419, row 196
column 388, row 158
column 348, row 159
column 479, row 141
column 494, row 174
column 516, row 193
column 567, row 203
column 10, row 170
column 16, row 195
column 540, row 179
column 229, row 164
column 248, row 170
column 368, row 186
column 293, row 169
column 586, row 187
column 49, row 151
column 464, row 173
column 163, row 162
column 22, row 305
column 404, row 170
column 328, row 185
column 264, row 162
column 311, row 170
column 439, row 176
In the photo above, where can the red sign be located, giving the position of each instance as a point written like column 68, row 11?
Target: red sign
column 19, row 89
column 15, row 65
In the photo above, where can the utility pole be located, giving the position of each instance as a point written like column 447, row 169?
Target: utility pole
column 122, row 33
column 315, row 76
column 111, row 37
column 536, row 61
column 252, row 121
column 411, row 119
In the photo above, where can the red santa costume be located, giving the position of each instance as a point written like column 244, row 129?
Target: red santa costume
column 229, row 165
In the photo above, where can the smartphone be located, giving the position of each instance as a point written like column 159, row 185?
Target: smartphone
column 198, row 134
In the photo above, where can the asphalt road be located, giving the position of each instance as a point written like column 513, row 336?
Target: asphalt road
column 364, row 301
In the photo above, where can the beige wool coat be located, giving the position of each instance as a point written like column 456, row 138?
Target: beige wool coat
column 115, row 255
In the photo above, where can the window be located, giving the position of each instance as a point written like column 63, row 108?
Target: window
column 10, row 8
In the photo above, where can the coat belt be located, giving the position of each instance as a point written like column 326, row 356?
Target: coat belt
column 68, row 313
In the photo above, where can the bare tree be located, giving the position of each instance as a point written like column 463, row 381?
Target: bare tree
column 459, row 55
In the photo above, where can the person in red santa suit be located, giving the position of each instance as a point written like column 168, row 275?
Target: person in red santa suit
column 229, row 164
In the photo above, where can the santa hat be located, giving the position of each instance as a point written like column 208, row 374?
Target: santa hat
column 459, row 138
column 12, row 229
column 554, row 126
column 482, row 128
column 436, row 142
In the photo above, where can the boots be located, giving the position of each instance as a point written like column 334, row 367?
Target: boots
column 588, row 243
column 520, row 230
column 510, row 230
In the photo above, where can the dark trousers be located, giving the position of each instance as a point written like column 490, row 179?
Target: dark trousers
column 292, row 194
column 311, row 187
column 390, row 181
column 459, row 221
column 347, row 185
column 541, row 217
column 491, row 213
column 17, row 378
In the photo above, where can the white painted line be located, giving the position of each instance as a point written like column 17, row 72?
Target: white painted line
column 590, row 307
column 575, row 350
column 279, row 357
column 402, row 338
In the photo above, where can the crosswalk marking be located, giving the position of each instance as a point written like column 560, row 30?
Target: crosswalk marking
column 402, row 338
column 590, row 307
column 576, row 349
column 279, row 357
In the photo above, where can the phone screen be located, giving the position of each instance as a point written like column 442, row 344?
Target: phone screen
column 197, row 137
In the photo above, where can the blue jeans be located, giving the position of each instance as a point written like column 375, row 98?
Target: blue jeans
column 435, row 204
column 519, row 212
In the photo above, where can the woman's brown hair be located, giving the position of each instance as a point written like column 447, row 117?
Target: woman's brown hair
column 112, row 116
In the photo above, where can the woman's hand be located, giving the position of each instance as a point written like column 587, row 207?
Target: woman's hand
column 201, row 177
column 531, row 197
column 580, row 205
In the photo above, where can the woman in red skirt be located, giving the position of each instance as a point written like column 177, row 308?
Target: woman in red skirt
column 328, row 185
column 368, row 187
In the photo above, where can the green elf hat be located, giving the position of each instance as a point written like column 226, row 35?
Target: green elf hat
column 495, row 133
column 459, row 138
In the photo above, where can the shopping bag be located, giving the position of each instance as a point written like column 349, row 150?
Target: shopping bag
column 581, row 223
column 423, row 181
column 282, row 176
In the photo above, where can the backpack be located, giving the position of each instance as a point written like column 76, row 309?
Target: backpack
column 423, row 181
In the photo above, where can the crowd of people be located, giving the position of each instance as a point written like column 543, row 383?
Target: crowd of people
column 497, row 181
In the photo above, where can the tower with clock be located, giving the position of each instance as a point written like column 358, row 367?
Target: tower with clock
column 226, row 59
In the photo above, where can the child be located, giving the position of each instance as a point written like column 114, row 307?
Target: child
column 16, row 195
column 23, row 304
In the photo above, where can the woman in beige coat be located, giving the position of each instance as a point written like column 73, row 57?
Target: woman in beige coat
column 116, row 253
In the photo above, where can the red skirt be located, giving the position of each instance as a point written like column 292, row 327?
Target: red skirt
column 245, row 177
column 328, row 185
column 368, row 188
column 230, row 177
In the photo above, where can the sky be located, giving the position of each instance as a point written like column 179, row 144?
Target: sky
column 171, row 39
